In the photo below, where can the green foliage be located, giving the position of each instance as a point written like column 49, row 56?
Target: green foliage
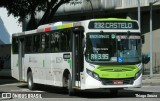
column 28, row 8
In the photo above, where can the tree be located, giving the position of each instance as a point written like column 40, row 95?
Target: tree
column 28, row 8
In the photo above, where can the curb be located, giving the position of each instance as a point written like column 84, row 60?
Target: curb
column 151, row 82
column 154, row 81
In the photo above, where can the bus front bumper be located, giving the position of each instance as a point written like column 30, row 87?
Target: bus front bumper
column 92, row 83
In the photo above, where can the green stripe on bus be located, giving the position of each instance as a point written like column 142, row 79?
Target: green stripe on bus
column 112, row 19
column 70, row 62
column 60, row 27
column 117, row 71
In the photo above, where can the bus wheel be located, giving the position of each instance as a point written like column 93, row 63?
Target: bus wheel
column 70, row 89
column 65, row 81
column 30, row 81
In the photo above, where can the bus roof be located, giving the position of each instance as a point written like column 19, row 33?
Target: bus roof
column 112, row 19
column 63, row 25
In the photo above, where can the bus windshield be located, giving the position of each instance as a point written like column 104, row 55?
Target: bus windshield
column 113, row 47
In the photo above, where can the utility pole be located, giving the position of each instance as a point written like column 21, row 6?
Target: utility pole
column 151, row 44
column 139, row 13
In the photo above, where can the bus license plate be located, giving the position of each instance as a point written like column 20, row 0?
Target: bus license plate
column 118, row 82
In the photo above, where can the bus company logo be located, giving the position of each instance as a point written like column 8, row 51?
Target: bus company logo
column 6, row 95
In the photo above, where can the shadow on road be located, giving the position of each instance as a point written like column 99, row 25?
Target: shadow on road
column 121, row 94
column 7, row 80
column 47, row 89
column 56, row 92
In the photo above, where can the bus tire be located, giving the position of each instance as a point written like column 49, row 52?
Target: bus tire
column 30, row 82
column 70, row 89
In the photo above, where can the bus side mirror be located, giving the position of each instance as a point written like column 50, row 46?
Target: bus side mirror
column 143, row 39
column 145, row 58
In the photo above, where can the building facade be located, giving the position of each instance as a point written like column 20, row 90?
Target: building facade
column 4, row 35
column 5, row 51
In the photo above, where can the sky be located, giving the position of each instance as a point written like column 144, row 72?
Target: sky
column 10, row 22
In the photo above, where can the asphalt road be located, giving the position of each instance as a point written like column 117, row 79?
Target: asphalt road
column 19, row 91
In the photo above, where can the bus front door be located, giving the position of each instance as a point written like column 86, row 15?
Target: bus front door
column 77, row 57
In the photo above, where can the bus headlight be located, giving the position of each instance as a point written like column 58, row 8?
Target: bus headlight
column 92, row 74
column 138, row 73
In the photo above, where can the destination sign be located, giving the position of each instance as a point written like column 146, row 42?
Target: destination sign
column 112, row 25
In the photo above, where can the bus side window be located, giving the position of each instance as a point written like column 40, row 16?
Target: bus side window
column 47, row 42
column 65, row 41
column 44, row 42
column 62, row 42
column 28, row 44
column 15, row 45
column 54, row 41
column 68, row 40
column 36, row 43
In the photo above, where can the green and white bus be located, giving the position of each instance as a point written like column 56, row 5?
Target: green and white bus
column 102, row 53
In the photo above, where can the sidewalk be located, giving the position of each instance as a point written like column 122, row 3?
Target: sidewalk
column 154, row 81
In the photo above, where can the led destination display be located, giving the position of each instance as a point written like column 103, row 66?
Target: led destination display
column 112, row 25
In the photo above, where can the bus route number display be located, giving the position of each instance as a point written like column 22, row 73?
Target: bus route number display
column 112, row 25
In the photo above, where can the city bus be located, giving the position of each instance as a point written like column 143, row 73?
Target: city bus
column 101, row 53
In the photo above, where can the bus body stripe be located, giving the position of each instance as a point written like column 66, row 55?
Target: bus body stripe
column 47, row 29
column 53, row 28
